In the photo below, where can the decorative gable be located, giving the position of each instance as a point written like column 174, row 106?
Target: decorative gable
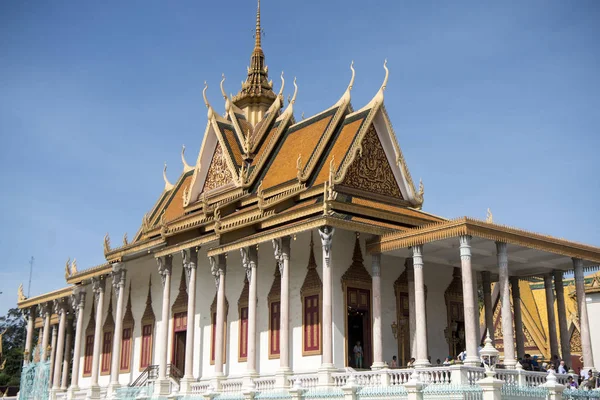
column 368, row 174
column 218, row 172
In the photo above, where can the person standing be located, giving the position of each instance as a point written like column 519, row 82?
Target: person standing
column 358, row 355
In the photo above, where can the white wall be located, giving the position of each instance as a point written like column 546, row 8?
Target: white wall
column 593, row 310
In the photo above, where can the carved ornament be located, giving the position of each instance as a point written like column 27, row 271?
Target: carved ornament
column 218, row 172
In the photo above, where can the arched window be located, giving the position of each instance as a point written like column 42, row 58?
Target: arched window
column 148, row 323
column 108, row 331
column 89, row 341
column 274, row 302
column 311, row 294
column 126, row 339
column 243, row 322
column 213, row 333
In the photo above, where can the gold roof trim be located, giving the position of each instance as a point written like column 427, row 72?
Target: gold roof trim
column 395, row 216
column 490, row 231
column 211, row 237
column 116, row 255
column 43, row 298
column 90, row 273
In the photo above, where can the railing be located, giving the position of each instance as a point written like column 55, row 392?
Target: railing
column 232, row 385
column 307, row 381
column 149, row 374
column 200, row 387
column 435, row 375
column 174, row 373
column 399, row 376
column 265, row 383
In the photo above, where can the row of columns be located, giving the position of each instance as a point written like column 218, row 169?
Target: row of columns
column 281, row 246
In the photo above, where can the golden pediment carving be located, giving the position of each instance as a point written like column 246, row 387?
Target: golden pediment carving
column 218, row 172
column 371, row 171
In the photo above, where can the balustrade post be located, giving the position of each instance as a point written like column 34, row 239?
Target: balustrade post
column 414, row 387
column 492, row 387
column 555, row 389
column 350, row 388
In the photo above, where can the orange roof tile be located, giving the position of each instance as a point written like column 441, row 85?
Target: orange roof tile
column 174, row 206
column 263, row 146
column 233, row 146
column 301, row 139
column 340, row 147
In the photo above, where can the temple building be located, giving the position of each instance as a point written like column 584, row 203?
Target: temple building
column 295, row 256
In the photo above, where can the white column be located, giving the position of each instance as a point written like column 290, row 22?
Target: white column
column 249, row 262
column 98, row 284
column 326, row 234
column 487, row 302
column 218, row 269
column 377, row 331
column 551, row 316
column 565, row 343
column 412, row 319
column 282, row 254
column 507, row 320
column 78, row 303
column 420, row 309
column 60, row 307
column 519, row 334
column 584, row 323
column 190, row 262
column 165, row 267
column 30, row 312
column 469, row 303
column 67, row 357
column 46, row 311
column 119, row 275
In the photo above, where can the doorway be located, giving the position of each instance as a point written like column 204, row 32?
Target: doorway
column 358, row 326
column 179, row 338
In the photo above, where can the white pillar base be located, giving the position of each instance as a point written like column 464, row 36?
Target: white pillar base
column 94, row 393
column 162, row 387
column 378, row 365
column 215, row 382
column 185, row 385
column 492, row 388
column 111, row 392
column 324, row 373
column 281, row 378
column 71, row 392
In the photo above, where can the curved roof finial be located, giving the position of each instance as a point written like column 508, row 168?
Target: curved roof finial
column 387, row 74
column 282, row 85
column 206, row 103
column 168, row 185
column 222, row 89
column 351, row 84
column 295, row 92
column 186, row 166
column 258, row 30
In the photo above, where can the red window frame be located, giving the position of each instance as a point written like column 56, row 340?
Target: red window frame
column 243, row 342
column 274, row 328
column 88, row 354
column 146, row 353
column 312, row 324
column 125, row 363
column 213, row 335
column 107, row 341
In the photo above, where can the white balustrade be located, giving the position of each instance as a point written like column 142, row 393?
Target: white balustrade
column 265, row 383
column 307, row 381
column 232, row 385
column 399, row 376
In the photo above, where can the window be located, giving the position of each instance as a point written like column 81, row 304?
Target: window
column 311, row 325
column 106, row 352
column 274, row 324
column 213, row 336
column 146, row 353
column 125, row 363
column 243, row 353
column 88, row 355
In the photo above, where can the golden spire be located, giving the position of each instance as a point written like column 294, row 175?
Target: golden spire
column 258, row 29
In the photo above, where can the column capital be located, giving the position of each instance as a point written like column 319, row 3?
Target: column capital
column 98, row 284
column 376, row 264
column 326, row 234
column 465, row 246
column 165, row 266
column 118, row 276
column 249, row 260
column 417, row 259
column 60, row 306
column 78, row 299
column 281, row 249
column 218, row 267
column 190, row 259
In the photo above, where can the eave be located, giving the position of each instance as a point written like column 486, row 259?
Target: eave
column 46, row 297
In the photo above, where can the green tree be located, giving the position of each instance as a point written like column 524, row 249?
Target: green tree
column 13, row 342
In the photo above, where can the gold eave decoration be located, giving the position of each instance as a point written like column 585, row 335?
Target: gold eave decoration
column 186, row 245
column 90, row 273
column 116, row 255
column 55, row 295
column 485, row 230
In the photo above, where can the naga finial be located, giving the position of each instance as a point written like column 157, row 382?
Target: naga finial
column 260, row 195
column 387, row 74
column 168, row 185
column 351, row 84
column 68, row 268
column 106, row 243
column 186, row 166
column 20, row 294
column 299, row 167
column 222, row 89
column 489, row 218
column 421, row 188
column 295, row 92
column 282, row 85
column 206, row 103
column 74, row 267
column 302, row 116
column 125, row 240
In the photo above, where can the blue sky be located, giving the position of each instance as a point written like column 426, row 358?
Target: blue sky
column 495, row 104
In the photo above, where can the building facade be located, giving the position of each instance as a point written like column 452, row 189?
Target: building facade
column 293, row 252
